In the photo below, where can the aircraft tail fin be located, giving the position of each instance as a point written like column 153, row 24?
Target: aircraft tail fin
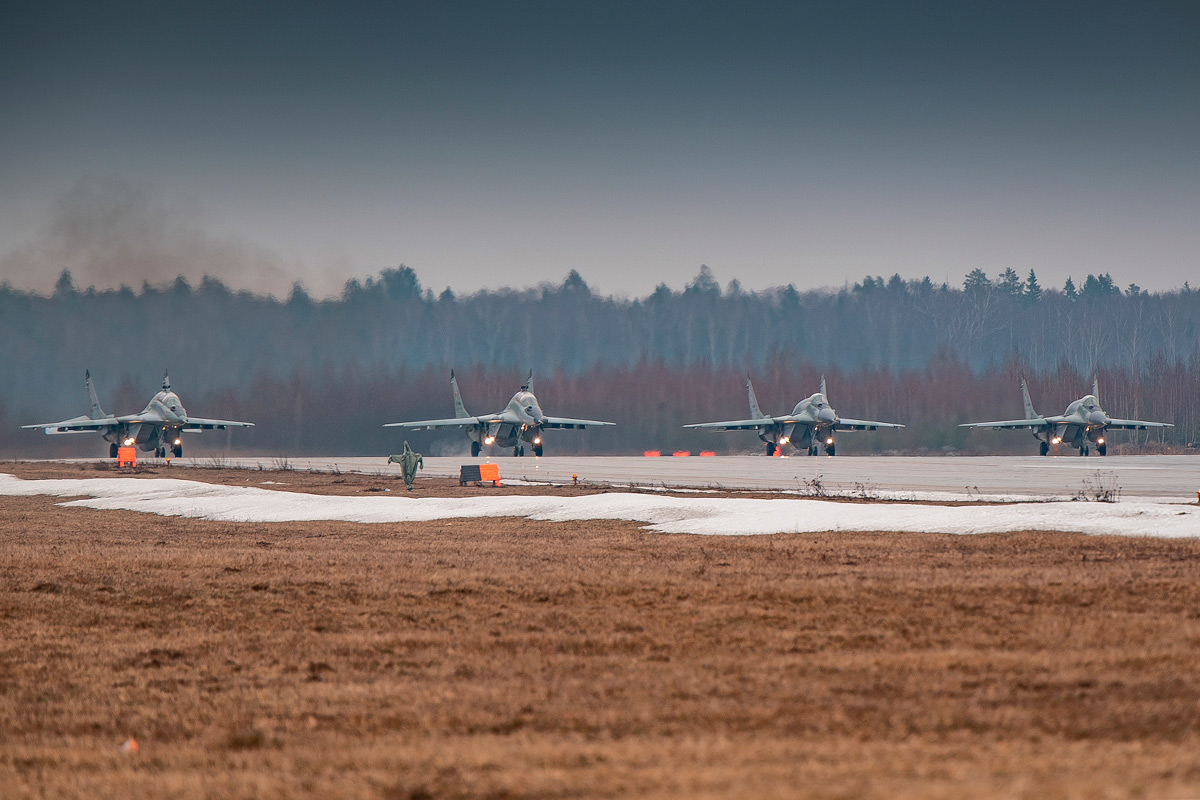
column 460, row 411
column 1096, row 386
column 97, row 412
column 1029, row 412
column 166, row 381
column 823, row 388
column 528, row 387
column 755, row 413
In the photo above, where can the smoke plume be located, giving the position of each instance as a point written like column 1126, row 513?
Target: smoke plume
column 109, row 233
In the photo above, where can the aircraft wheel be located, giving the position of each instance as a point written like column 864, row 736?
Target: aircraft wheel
column 1083, row 451
column 830, row 450
column 537, row 450
column 1102, row 449
column 475, row 448
column 112, row 450
column 770, row 448
column 1043, row 448
column 178, row 451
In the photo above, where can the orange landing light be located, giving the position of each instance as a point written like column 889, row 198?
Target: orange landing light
column 652, row 453
column 707, row 453
column 681, row 453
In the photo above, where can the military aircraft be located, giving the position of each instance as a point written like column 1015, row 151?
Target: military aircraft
column 521, row 420
column 157, row 428
column 810, row 426
column 1083, row 423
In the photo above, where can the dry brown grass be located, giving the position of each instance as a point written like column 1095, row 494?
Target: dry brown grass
column 519, row 659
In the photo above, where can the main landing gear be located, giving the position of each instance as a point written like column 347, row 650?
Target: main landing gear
column 771, row 448
column 1044, row 448
column 475, row 448
column 112, row 450
column 1102, row 448
column 537, row 450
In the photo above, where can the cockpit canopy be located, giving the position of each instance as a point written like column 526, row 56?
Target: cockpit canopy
column 171, row 401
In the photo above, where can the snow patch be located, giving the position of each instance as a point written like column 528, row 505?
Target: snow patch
column 668, row 514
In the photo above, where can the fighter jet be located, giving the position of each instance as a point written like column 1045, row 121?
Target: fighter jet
column 157, row 428
column 810, row 426
column 521, row 420
column 1083, row 423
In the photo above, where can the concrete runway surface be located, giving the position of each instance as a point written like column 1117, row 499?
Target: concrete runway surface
column 1174, row 478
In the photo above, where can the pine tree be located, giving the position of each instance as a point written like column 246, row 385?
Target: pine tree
column 65, row 285
column 1069, row 289
column 1033, row 290
column 704, row 282
column 1010, row 283
column 976, row 281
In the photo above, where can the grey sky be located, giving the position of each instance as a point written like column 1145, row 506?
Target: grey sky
column 489, row 144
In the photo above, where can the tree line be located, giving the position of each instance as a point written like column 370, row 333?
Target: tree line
column 321, row 375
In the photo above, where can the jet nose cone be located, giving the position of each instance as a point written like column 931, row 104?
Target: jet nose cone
column 827, row 415
column 1098, row 418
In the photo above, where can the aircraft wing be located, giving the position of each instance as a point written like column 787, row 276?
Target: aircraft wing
column 745, row 424
column 863, row 425
column 567, row 422
column 76, row 425
column 1137, row 424
column 1040, row 422
column 453, row 422
column 199, row 424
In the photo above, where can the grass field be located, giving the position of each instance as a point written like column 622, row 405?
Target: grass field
column 521, row 659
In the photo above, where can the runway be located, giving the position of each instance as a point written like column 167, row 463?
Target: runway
column 1171, row 478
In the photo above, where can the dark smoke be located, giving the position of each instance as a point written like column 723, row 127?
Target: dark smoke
column 109, row 233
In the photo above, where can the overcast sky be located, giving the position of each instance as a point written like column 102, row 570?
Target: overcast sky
column 504, row 143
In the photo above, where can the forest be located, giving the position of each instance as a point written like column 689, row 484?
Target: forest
column 320, row 376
